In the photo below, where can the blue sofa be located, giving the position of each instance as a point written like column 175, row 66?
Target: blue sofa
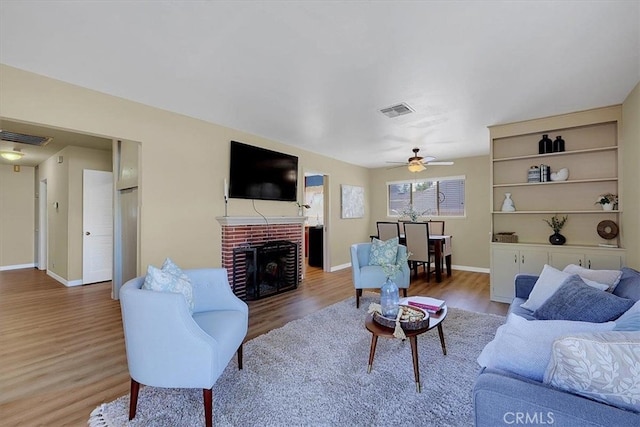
column 501, row 398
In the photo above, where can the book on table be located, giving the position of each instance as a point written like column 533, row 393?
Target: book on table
column 432, row 305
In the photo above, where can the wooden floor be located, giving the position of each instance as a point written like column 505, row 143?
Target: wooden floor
column 62, row 349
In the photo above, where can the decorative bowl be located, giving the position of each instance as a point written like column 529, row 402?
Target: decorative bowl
column 413, row 318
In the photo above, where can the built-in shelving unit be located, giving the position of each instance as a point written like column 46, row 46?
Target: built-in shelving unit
column 592, row 157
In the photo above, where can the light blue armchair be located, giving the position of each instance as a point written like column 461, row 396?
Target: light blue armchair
column 367, row 276
column 167, row 346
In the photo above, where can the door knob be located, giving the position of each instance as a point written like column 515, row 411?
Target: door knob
column 87, row 233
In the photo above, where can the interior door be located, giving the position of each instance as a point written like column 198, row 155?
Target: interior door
column 97, row 223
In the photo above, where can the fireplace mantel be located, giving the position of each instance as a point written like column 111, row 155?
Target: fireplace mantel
column 258, row 220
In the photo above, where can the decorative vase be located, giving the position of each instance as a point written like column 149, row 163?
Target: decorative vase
column 558, row 144
column 389, row 299
column 607, row 206
column 545, row 145
column 557, row 239
column 300, row 212
column 507, row 205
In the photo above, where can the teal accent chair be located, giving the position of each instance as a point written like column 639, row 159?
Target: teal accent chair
column 367, row 276
column 167, row 346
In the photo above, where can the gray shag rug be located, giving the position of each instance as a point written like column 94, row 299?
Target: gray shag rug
column 313, row 372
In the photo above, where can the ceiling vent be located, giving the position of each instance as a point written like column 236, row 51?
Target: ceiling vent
column 397, row 110
column 39, row 141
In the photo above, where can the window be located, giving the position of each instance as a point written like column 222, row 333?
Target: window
column 436, row 197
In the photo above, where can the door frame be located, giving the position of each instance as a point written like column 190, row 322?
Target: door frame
column 43, row 217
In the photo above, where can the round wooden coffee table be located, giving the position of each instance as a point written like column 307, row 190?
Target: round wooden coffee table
column 382, row 331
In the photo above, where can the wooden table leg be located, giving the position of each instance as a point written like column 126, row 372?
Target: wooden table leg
column 438, row 261
column 372, row 352
column 444, row 347
column 447, row 260
column 416, row 368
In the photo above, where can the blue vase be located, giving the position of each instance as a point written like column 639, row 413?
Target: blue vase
column 389, row 299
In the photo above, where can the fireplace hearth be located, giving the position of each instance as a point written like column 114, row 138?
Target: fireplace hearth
column 265, row 270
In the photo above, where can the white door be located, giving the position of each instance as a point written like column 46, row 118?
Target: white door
column 97, row 224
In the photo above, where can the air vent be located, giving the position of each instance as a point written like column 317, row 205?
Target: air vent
column 397, row 110
column 39, row 141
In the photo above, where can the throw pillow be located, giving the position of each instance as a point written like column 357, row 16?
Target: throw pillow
column 164, row 281
column 629, row 286
column 524, row 346
column 383, row 252
column 607, row 277
column 630, row 319
column 574, row 300
column 548, row 282
column 600, row 366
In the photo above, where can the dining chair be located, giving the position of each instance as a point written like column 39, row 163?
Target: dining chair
column 417, row 238
column 388, row 230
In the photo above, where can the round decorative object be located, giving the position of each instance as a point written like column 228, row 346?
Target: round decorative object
column 415, row 318
column 557, row 239
column 607, row 229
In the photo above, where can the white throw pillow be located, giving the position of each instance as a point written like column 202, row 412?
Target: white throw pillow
column 548, row 283
column 602, row 366
column 611, row 278
column 169, row 280
column 524, row 346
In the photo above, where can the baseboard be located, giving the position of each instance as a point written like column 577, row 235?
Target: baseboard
column 340, row 267
column 16, row 267
column 64, row 281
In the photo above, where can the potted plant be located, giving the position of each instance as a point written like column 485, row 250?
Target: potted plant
column 556, row 224
column 608, row 201
column 301, row 207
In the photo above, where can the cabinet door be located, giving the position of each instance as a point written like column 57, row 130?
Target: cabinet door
column 533, row 261
column 504, row 267
column 560, row 260
column 603, row 261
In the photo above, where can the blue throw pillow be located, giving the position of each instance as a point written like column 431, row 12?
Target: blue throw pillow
column 629, row 285
column 383, row 252
column 575, row 300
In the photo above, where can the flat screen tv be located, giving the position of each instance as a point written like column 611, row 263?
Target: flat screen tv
column 258, row 173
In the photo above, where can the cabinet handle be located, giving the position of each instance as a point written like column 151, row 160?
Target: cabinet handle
column 515, row 258
column 523, row 259
column 589, row 265
column 580, row 262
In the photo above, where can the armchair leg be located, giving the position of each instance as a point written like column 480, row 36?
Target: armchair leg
column 207, row 396
column 358, row 295
column 240, row 357
column 133, row 399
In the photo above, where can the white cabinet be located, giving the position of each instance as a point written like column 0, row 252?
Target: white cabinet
column 510, row 260
column 592, row 259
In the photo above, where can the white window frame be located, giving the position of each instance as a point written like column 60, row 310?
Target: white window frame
column 430, row 179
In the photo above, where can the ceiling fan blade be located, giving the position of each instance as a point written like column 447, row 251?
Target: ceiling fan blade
column 439, row 163
column 428, row 159
column 397, row 163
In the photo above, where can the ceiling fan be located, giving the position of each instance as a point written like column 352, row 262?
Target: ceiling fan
column 418, row 164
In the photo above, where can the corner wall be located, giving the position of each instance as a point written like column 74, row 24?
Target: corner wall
column 17, row 217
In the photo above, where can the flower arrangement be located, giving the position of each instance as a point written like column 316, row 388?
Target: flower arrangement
column 556, row 223
column 605, row 199
column 411, row 213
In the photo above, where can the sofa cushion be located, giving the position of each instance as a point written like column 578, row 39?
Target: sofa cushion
column 383, row 252
column 166, row 281
column 611, row 278
column 629, row 285
column 602, row 366
column 524, row 346
column 575, row 300
column 630, row 319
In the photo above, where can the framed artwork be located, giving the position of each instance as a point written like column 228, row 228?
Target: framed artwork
column 352, row 201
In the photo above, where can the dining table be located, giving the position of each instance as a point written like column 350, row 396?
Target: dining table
column 442, row 249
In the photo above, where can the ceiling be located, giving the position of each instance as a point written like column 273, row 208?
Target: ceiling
column 315, row 74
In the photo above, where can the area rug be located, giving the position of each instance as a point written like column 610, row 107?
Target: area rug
column 313, row 372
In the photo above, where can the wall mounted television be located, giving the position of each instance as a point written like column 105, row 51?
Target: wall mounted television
column 258, row 173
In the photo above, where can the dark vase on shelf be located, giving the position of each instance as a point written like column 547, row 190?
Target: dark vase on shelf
column 558, row 144
column 557, row 239
column 545, row 145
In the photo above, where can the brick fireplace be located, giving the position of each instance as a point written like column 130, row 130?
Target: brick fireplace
column 242, row 235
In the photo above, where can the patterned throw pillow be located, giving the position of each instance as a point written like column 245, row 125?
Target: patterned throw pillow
column 170, row 279
column 602, row 366
column 575, row 300
column 383, row 252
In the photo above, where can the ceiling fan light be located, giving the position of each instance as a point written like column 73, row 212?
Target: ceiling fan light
column 415, row 166
column 11, row 155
